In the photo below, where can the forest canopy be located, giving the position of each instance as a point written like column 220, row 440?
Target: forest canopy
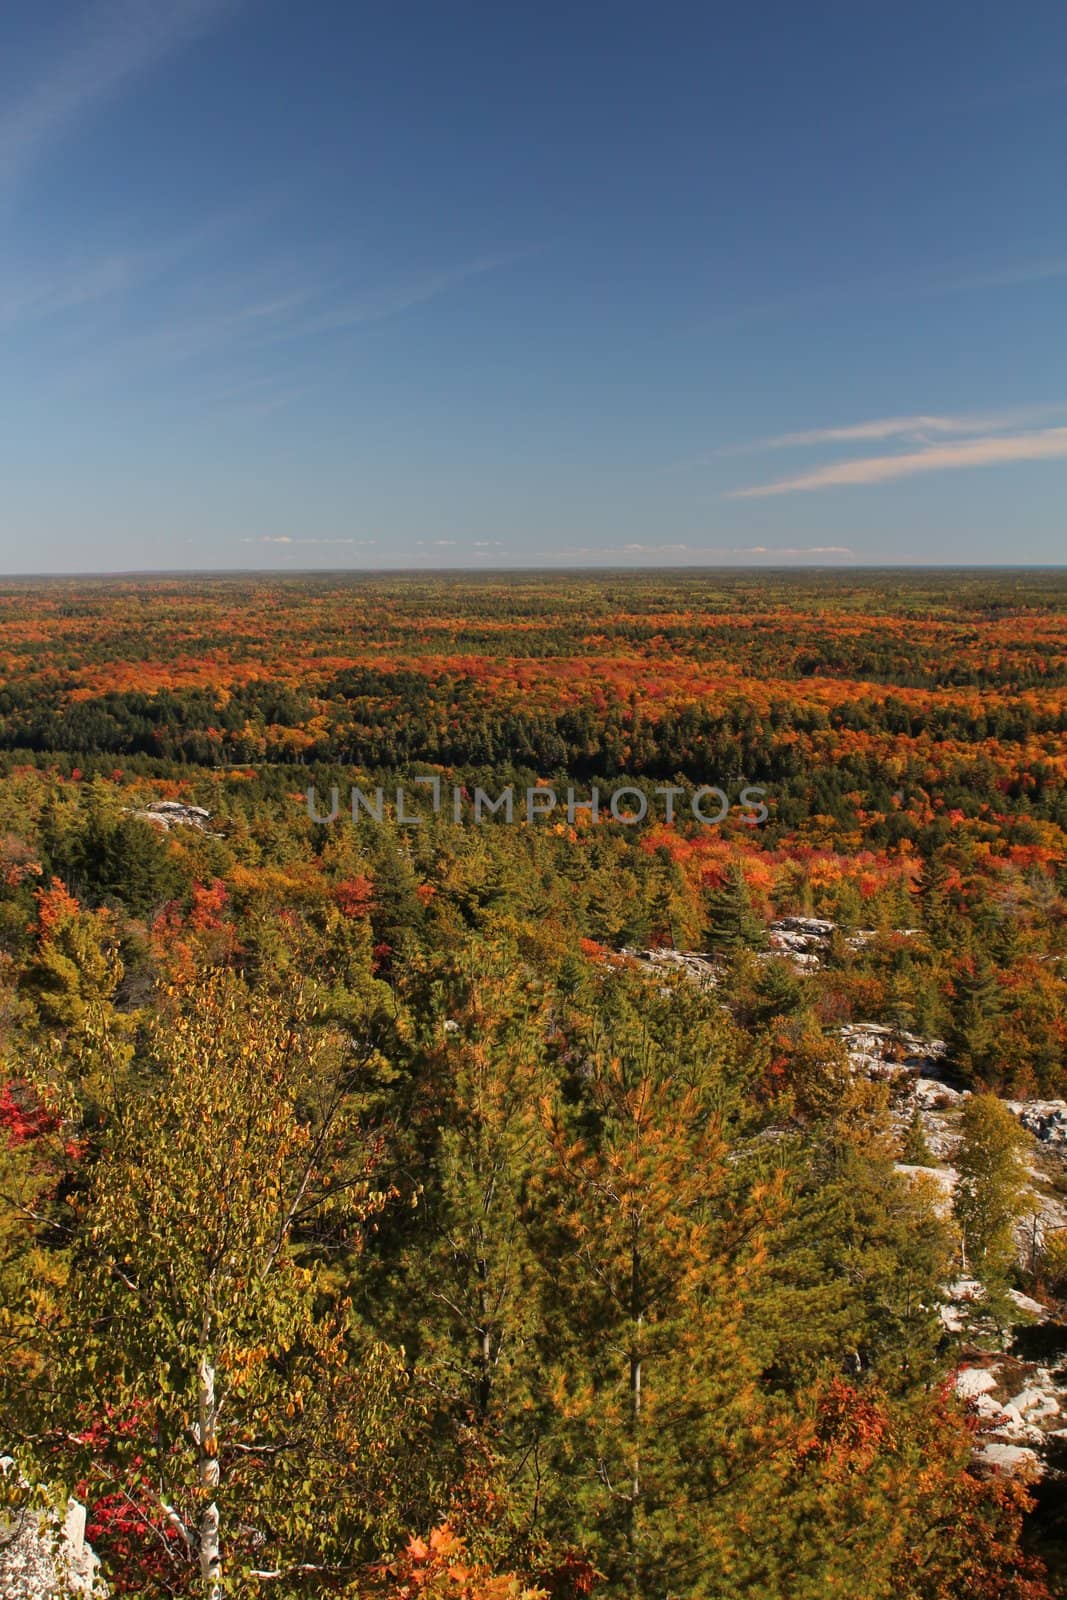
column 382, row 1211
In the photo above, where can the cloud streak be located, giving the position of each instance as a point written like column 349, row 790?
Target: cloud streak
column 285, row 538
column 1002, row 277
column 392, row 300
column 123, row 40
column 1046, row 444
column 280, row 311
column 962, row 279
column 914, row 429
column 35, row 291
column 715, row 550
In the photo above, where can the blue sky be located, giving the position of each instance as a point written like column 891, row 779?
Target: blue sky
column 430, row 283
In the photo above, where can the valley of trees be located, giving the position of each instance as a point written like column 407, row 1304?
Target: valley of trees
column 373, row 1222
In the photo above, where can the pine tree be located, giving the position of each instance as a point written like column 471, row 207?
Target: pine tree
column 397, row 914
column 670, row 909
column 652, row 1244
column 732, row 922
column 915, row 1149
column 975, row 1035
column 75, row 968
column 463, row 1285
column 991, row 1188
column 107, row 855
column 859, row 1260
column 934, row 897
column 779, row 992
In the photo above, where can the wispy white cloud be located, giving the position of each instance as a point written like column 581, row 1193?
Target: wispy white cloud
column 380, row 303
column 953, row 278
column 1005, row 277
column 31, row 291
column 915, row 429
column 23, row 296
column 284, row 538
column 1046, row 444
column 272, row 307
column 785, row 551
column 269, row 400
column 120, row 41
column 796, row 550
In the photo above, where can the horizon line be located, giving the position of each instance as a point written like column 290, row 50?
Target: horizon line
column 411, row 571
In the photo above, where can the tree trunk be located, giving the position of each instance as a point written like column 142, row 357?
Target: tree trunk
column 208, row 1473
column 636, row 1319
column 485, row 1341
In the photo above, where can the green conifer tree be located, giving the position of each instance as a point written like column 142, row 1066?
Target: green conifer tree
column 990, row 1194
column 974, row 1037
column 652, row 1243
column 915, row 1149
column 732, row 922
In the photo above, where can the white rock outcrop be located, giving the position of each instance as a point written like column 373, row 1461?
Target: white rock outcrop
column 44, row 1557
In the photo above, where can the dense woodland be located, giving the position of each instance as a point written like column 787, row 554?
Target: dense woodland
column 373, row 1223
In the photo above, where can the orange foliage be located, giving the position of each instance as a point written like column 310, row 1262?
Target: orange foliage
column 55, row 906
column 355, row 896
column 184, row 942
column 440, row 1567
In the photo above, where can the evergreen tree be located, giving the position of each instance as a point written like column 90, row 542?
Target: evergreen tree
column 669, row 904
column 463, row 1285
column 779, row 992
column 934, row 897
column 991, row 1188
column 75, row 967
column 975, row 1035
column 915, row 1149
column 397, row 913
column 858, row 1264
column 652, row 1243
column 732, row 922
column 108, row 855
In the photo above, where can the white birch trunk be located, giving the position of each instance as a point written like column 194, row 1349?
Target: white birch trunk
column 210, row 1557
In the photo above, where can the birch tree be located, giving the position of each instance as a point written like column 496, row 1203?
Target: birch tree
column 212, row 1377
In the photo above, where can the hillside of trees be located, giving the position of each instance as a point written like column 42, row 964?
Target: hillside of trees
column 376, row 1218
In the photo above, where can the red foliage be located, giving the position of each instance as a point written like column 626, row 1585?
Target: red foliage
column 55, row 905
column 182, row 942
column 571, row 1578
column 355, row 896
column 207, row 905
column 850, row 1426
column 22, row 1117
column 125, row 1523
column 17, row 861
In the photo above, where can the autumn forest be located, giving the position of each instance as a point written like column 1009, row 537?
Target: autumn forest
column 564, row 1206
